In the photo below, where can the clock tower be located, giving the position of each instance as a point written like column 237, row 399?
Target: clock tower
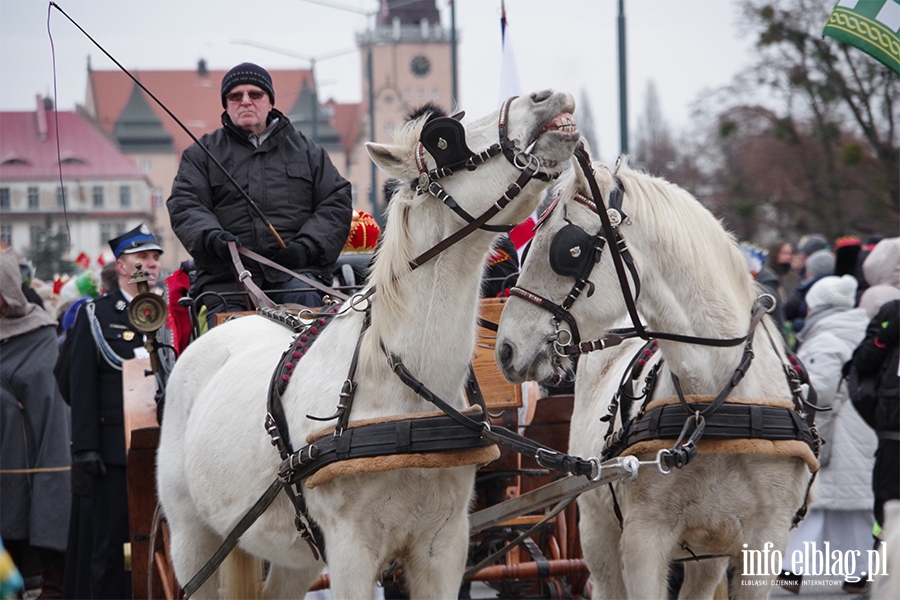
column 409, row 55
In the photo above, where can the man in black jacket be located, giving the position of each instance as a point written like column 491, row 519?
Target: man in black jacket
column 288, row 176
column 877, row 356
column 102, row 338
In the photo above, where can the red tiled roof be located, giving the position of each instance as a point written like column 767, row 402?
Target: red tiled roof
column 346, row 121
column 193, row 98
column 85, row 152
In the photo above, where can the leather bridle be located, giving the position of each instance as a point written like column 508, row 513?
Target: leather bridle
column 589, row 250
column 444, row 139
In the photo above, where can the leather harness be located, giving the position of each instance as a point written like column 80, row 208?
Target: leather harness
column 453, row 431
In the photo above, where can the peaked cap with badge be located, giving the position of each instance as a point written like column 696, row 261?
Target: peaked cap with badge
column 138, row 239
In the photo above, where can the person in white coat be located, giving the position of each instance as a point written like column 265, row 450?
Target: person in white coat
column 841, row 509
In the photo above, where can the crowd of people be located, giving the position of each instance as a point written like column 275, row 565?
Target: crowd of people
column 838, row 313
column 62, row 452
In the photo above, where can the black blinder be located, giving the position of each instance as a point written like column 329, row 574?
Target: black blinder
column 445, row 140
column 570, row 251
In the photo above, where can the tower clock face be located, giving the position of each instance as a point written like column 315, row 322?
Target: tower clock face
column 420, row 66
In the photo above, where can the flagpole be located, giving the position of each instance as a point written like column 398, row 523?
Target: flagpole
column 623, row 84
column 454, row 99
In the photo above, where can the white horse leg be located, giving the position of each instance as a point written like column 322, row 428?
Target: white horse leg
column 701, row 578
column 646, row 551
column 191, row 544
column 352, row 566
column 284, row 582
column 434, row 567
column 600, row 540
column 774, row 531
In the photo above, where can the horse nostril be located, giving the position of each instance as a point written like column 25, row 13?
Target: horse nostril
column 505, row 355
column 541, row 96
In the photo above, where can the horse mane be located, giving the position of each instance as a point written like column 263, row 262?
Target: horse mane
column 394, row 253
column 679, row 225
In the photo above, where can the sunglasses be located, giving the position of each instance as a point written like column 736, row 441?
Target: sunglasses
column 236, row 97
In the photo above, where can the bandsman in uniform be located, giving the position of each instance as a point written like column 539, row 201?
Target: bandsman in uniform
column 104, row 338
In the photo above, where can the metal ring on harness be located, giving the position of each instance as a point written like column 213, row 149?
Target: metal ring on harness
column 773, row 304
column 596, row 468
column 530, row 158
column 558, row 343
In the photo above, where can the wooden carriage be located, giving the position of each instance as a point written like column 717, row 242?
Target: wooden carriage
column 545, row 564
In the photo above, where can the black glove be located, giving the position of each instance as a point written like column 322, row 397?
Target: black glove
column 295, row 256
column 90, row 462
column 217, row 245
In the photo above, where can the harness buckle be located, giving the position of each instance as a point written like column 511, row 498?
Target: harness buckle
column 423, row 183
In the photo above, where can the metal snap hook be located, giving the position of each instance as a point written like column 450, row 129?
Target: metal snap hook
column 659, row 462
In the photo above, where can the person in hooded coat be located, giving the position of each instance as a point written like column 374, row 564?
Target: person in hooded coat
column 841, row 509
column 34, row 432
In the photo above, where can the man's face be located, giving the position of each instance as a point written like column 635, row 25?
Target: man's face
column 246, row 113
column 125, row 265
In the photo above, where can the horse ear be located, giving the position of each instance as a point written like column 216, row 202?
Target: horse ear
column 386, row 157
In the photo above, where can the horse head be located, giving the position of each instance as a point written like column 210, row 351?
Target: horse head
column 548, row 305
column 451, row 175
column 570, row 290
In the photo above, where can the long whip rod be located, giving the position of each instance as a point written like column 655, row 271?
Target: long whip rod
column 237, row 186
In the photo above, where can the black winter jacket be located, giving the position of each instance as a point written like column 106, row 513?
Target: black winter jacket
column 289, row 177
column 878, row 354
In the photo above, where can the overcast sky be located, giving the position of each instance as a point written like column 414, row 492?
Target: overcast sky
column 683, row 46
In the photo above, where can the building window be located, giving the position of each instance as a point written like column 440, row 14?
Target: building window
column 34, row 235
column 157, row 195
column 62, row 195
column 4, row 198
column 105, row 233
column 145, row 166
column 6, row 234
column 98, row 196
column 389, row 128
column 125, row 196
column 120, row 229
column 34, row 198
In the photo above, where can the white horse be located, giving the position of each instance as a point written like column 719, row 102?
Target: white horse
column 215, row 458
column 694, row 282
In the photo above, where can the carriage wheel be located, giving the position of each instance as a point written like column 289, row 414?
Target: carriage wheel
column 161, row 581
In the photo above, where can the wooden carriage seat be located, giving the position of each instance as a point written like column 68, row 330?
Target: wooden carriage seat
column 498, row 393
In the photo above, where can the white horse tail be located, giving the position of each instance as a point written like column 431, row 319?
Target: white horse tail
column 240, row 576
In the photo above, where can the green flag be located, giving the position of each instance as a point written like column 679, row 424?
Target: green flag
column 873, row 26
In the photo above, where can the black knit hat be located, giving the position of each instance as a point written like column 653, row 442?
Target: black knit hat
column 247, row 73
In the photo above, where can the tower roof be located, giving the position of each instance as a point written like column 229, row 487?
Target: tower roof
column 138, row 129
column 301, row 116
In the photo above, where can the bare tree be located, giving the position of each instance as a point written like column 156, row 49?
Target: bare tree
column 807, row 138
column 654, row 149
column 836, row 94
